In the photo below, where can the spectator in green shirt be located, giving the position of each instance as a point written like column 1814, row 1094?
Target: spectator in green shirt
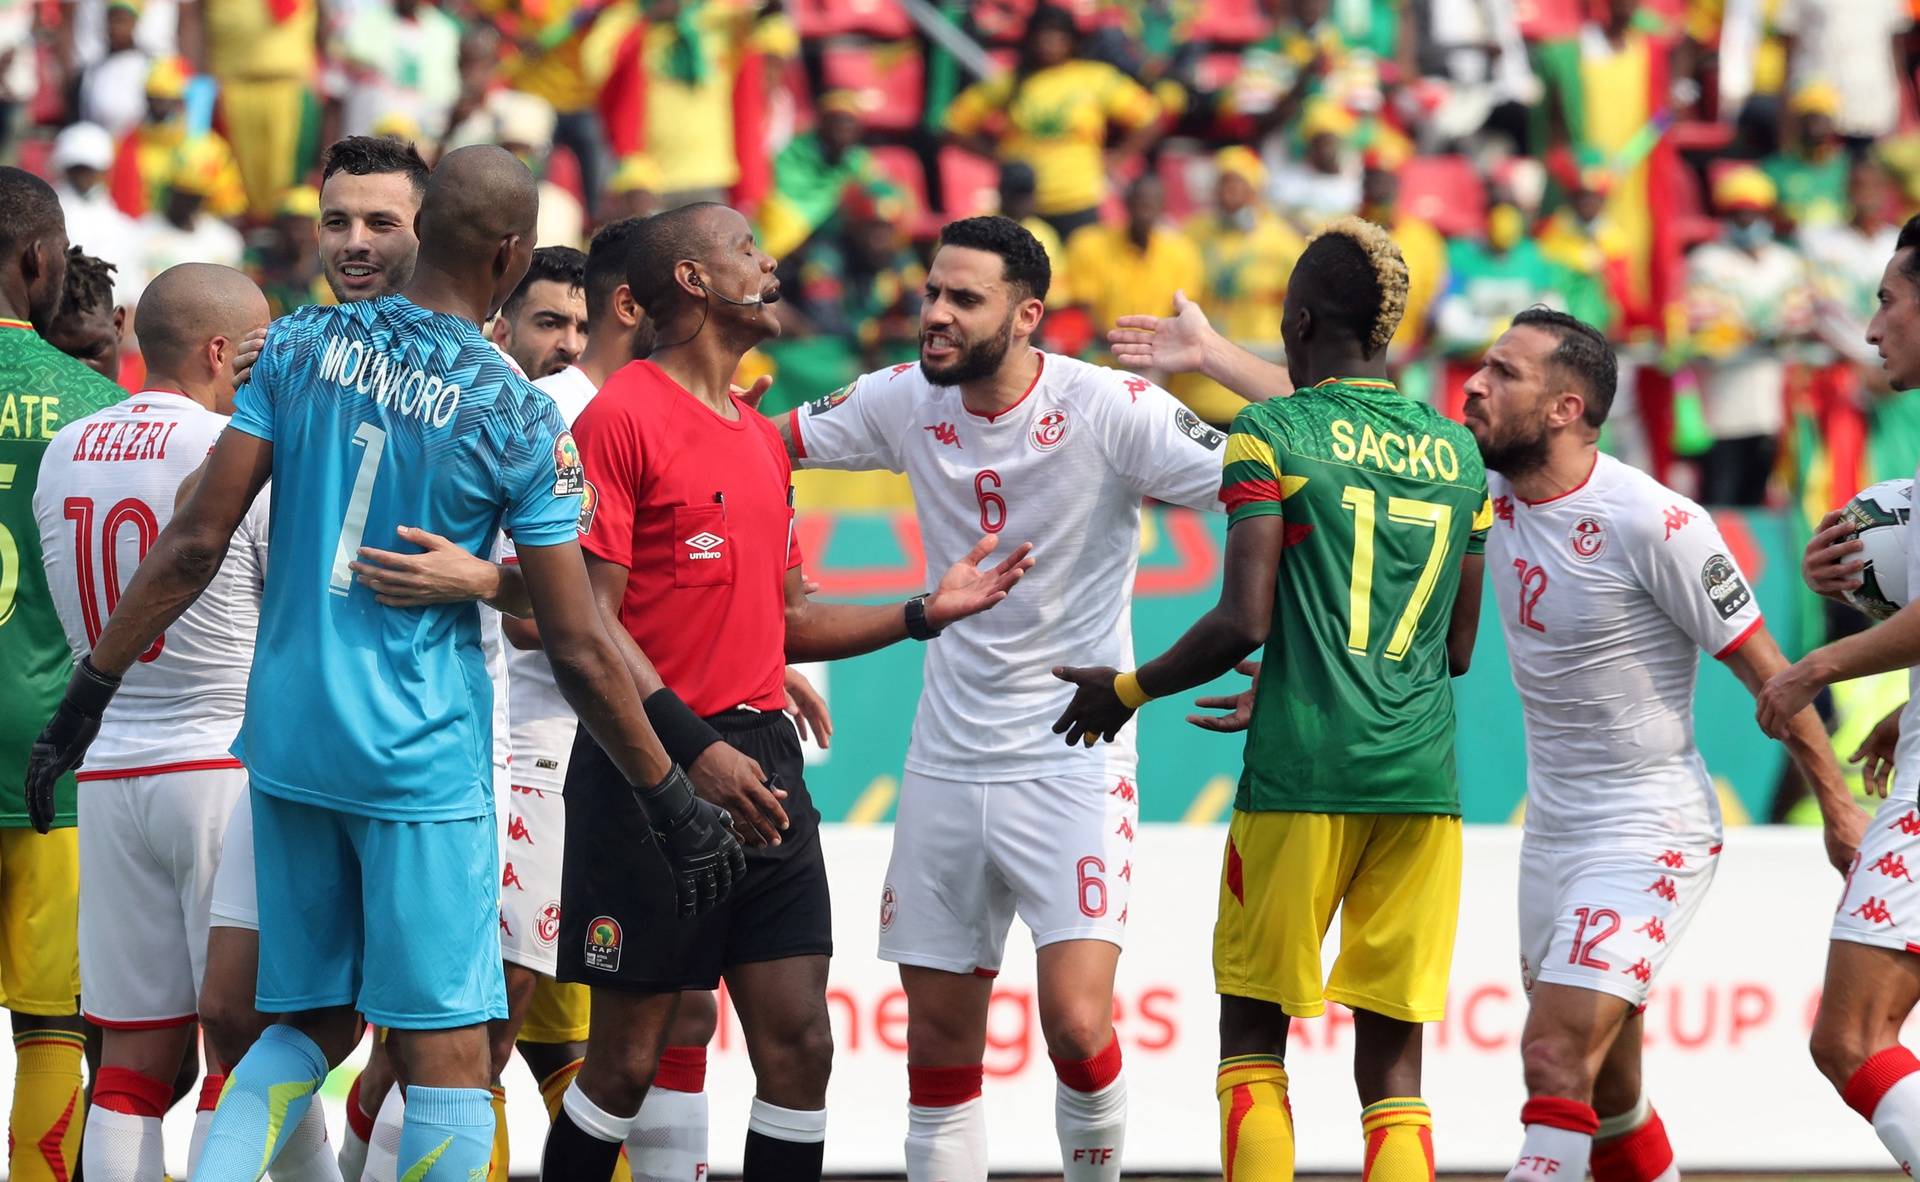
column 1811, row 174
column 813, row 173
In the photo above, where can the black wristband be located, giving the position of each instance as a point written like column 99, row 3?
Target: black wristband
column 668, row 803
column 682, row 732
column 90, row 690
column 917, row 626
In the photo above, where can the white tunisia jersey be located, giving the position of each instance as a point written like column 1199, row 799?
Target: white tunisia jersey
column 1064, row 468
column 543, row 723
column 1608, row 594
column 106, row 490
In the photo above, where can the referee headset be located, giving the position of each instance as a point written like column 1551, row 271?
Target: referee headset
column 754, row 301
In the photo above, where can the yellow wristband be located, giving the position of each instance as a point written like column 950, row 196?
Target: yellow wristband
column 1126, row 687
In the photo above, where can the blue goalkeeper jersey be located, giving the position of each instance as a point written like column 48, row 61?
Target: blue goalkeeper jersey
column 383, row 414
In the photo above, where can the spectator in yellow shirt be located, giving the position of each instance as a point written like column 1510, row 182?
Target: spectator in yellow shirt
column 1017, row 190
column 1055, row 113
column 1248, row 252
column 144, row 162
column 1132, row 269
column 265, row 56
column 1420, row 245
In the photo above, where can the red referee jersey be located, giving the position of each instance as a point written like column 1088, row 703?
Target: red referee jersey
column 697, row 508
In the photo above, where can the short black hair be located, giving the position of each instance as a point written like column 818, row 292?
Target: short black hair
column 1583, row 353
column 551, row 264
column 1025, row 260
column 659, row 242
column 1353, row 279
column 606, row 269
column 89, row 286
column 29, row 210
column 368, row 155
column 1909, row 241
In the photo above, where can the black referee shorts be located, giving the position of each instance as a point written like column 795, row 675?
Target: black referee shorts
column 620, row 922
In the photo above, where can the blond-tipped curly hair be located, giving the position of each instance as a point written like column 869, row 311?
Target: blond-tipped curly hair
column 1367, row 248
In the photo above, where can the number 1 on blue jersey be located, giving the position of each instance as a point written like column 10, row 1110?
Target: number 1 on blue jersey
column 354, row 524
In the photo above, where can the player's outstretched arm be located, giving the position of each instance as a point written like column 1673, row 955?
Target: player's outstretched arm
column 1758, row 660
column 831, row 631
column 183, row 561
column 1464, row 628
column 1217, row 641
column 1186, row 343
column 1882, row 649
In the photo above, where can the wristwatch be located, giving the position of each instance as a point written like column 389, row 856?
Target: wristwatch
column 917, row 626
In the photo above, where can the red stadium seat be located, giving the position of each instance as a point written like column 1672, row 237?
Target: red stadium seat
column 969, row 183
column 563, row 169
column 1186, row 177
column 1446, row 191
column 834, row 18
column 890, row 79
column 34, row 155
column 1228, row 22
column 903, row 167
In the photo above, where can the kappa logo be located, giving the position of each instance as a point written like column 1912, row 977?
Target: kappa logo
column 1672, row 859
column 945, row 433
column 1675, row 520
column 510, row 878
column 1725, row 587
column 1873, row 911
column 1588, row 538
column 889, row 902
column 1909, row 824
column 1503, row 509
column 1892, row 865
column 1665, row 888
column 1124, row 789
column 1136, row 387
column 1653, row 930
column 1050, row 431
column 603, row 944
column 517, row 831
column 704, row 545
column 1640, row 970
column 546, row 928
column 569, row 477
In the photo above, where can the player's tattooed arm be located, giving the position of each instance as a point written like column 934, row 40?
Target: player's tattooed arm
column 830, row 631
column 1464, row 628
column 1805, row 739
column 442, row 572
column 1216, row 642
column 1186, row 342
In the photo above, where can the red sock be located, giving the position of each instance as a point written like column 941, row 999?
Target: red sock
column 1873, row 1078
column 682, row 1069
column 1640, row 1155
column 943, row 1087
column 358, row 1118
column 120, row 1090
column 1090, row 1075
column 1558, row 1113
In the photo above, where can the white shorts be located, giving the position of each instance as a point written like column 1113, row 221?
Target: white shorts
column 535, row 842
column 967, row 858
column 1880, row 904
column 149, row 849
column 1607, row 918
column 236, row 900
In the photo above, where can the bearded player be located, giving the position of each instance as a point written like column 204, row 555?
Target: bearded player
column 1873, row 974
column 994, row 819
column 1349, row 799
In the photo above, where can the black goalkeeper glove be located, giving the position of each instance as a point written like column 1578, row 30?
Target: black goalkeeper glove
column 697, row 837
column 64, row 741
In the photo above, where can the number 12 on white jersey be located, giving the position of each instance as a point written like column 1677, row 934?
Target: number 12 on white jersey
column 354, row 524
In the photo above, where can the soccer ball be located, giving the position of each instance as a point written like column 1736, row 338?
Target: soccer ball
column 1879, row 515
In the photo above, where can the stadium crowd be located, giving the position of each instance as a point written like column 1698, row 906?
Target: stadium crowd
column 1713, row 183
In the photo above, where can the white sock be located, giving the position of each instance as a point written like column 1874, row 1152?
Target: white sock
column 1896, row 1119
column 202, row 1121
column 125, row 1147
column 1093, row 1130
column 1551, row 1154
column 305, row 1155
column 353, row 1155
column 668, row 1141
column 383, row 1148
column 802, row 1126
column 947, row 1144
column 592, row 1119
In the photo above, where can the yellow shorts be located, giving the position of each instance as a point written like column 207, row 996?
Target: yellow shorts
column 40, row 921
column 558, row 1012
column 1395, row 879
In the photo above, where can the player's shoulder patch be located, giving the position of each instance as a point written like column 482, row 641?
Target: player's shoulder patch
column 1725, row 586
column 822, row 405
column 569, row 475
column 1185, row 422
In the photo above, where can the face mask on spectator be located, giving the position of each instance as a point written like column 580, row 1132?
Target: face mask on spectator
column 1755, row 233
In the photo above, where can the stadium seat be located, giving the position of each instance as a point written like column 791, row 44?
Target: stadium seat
column 1228, row 22
column 834, row 18
column 34, row 155
column 969, row 183
column 563, row 169
column 1693, row 222
column 902, row 166
column 1446, row 191
column 1188, row 178
column 1701, row 136
column 890, row 79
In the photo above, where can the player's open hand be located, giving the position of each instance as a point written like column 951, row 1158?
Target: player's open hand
column 1239, row 707
column 807, row 708
column 1786, row 694
column 967, row 590
column 751, row 395
column 1875, row 755
column 1170, row 344
column 729, row 779
column 248, row 353
column 443, row 572
column 1828, row 566
column 1096, row 711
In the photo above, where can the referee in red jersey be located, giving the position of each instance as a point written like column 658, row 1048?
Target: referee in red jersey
column 687, row 523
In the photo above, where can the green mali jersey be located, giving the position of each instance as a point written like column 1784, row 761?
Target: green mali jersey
column 1381, row 497
column 41, row 390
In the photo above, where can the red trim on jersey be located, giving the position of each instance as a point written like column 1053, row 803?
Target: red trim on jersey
column 1715, row 851
column 159, row 769
column 5, row 323
column 985, row 974
column 1733, row 646
column 1563, row 496
column 1031, row 387
column 793, row 428
column 143, row 1024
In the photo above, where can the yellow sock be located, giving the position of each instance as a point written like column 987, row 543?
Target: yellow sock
column 1256, row 1123
column 499, row 1166
column 1399, row 1134
column 49, row 1106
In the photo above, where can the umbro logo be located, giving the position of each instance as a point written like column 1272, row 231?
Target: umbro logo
column 704, row 545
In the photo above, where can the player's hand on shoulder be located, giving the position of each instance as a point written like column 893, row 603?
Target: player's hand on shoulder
column 1875, row 754
column 1096, row 711
column 63, row 742
column 698, row 839
column 967, row 590
column 751, row 395
column 1169, row 344
column 443, row 572
column 735, row 783
column 807, row 708
column 249, row 352
column 1828, row 566
column 1238, row 707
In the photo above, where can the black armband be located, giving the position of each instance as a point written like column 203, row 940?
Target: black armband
column 682, row 732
